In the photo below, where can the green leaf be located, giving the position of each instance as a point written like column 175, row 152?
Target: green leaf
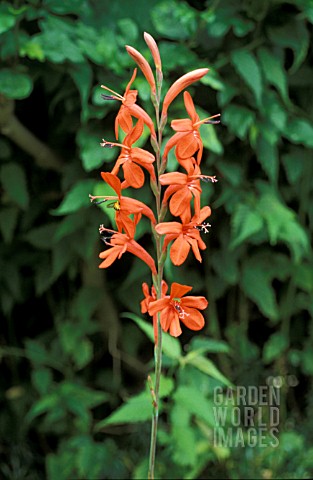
column 173, row 19
column 14, row 182
column 238, row 119
column 205, row 365
column 136, row 409
column 8, row 221
column 294, row 163
column 274, row 347
column 170, row 345
column 299, row 130
column 76, row 198
column 92, row 154
column 70, row 224
column 14, row 84
column 282, row 224
column 294, row 35
column 193, row 400
column 274, row 72
column 267, row 155
column 62, row 8
column 42, row 237
column 248, row 68
column 7, row 19
column 183, row 436
column 256, row 283
column 82, row 76
column 246, row 221
column 209, row 345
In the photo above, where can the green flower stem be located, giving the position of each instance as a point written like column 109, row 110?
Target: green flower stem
column 158, row 287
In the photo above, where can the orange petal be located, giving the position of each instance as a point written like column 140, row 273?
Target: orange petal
column 179, row 250
column 158, row 305
column 167, row 317
column 175, row 328
column 110, row 256
column 136, row 249
column 182, row 125
column 133, row 174
column 187, row 146
column 113, row 181
column 178, row 290
column 190, row 107
column 142, row 155
column 168, row 227
column 173, row 177
column 195, row 319
column 194, row 302
column 180, row 201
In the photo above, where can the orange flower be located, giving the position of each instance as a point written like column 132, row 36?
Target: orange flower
column 180, row 85
column 123, row 206
column 132, row 159
column 182, row 187
column 174, row 309
column 187, row 139
column 143, row 65
column 150, row 298
column 129, row 109
column 186, row 235
column 120, row 243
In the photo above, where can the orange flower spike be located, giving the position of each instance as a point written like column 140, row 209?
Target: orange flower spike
column 120, row 243
column 176, row 308
column 124, row 206
column 178, row 86
column 143, row 65
column 150, row 298
column 186, row 235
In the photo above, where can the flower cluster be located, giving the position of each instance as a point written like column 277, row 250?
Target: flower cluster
column 176, row 193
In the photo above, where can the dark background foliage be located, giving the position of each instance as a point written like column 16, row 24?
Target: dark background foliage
column 73, row 365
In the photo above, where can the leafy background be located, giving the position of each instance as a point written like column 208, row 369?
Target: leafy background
column 74, row 364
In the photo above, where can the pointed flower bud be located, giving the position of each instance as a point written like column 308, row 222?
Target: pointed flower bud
column 154, row 50
column 178, row 86
column 143, row 65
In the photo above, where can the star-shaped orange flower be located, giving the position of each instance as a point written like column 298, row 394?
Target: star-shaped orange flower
column 150, row 298
column 186, row 235
column 129, row 108
column 131, row 159
column 175, row 308
column 119, row 243
column 187, row 139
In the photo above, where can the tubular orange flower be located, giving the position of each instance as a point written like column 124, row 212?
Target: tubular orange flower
column 132, row 159
column 129, row 108
column 154, row 50
column 182, row 187
column 143, row 65
column 175, row 308
column 120, row 243
column 186, row 235
column 187, row 139
column 178, row 86
column 123, row 206
column 150, row 298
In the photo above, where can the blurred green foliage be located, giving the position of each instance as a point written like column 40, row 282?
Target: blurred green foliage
column 73, row 401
